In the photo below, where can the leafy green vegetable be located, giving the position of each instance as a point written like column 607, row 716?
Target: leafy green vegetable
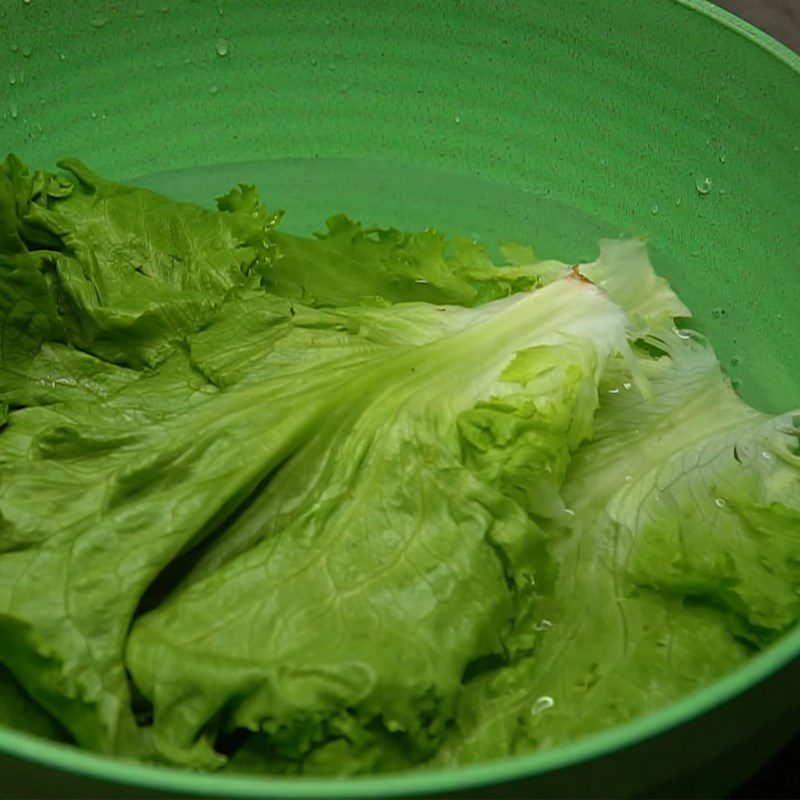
column 350, row 265
column 358, row 548
column 683, row 557
column 19, row 712
column 363, row 501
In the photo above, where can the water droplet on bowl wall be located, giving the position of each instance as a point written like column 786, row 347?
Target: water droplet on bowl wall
column 703, row 186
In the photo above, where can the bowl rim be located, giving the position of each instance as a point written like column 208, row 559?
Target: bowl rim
column 172, row 779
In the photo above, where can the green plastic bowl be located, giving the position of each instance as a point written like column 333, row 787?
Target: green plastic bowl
column 553, row 121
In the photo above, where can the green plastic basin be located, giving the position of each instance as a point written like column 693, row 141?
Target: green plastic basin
column 554, row 121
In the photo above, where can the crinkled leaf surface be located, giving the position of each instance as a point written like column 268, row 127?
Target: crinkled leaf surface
column 364, row 501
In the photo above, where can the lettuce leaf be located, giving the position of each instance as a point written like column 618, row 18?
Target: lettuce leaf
column 683, row 558
column 20, row 713
column 347, row 554
column 363, row 501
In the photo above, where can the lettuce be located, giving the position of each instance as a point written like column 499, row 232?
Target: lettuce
column 362, row 501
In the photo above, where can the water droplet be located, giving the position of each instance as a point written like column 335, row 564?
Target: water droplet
column 703, row 186
column 422, row 281
column 627, row 385
column 614, row 390
column 313, row 62
column 164, row 9
column 221, row 11
column 213, row 89
column 94, row 115
column 678, row 201
column 720, row 503
column 221, row 47
column 723, row 159
column 99, row 21
column 15, row 48
column 531, row 578
column 542, row 704
column 767, row 455
column 457, row 119
column 569, row 512
column 344, row 88
column 12, row 79
column 654, row 210
column 682, row 334
column 14, row 111
column 62, row 56
column 543, row 625
column 629, row 478
column 140, row 12
column 26, row 51
column 27, row 2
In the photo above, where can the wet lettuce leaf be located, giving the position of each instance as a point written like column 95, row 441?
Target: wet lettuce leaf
column 20, row 713
column 362, row 501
